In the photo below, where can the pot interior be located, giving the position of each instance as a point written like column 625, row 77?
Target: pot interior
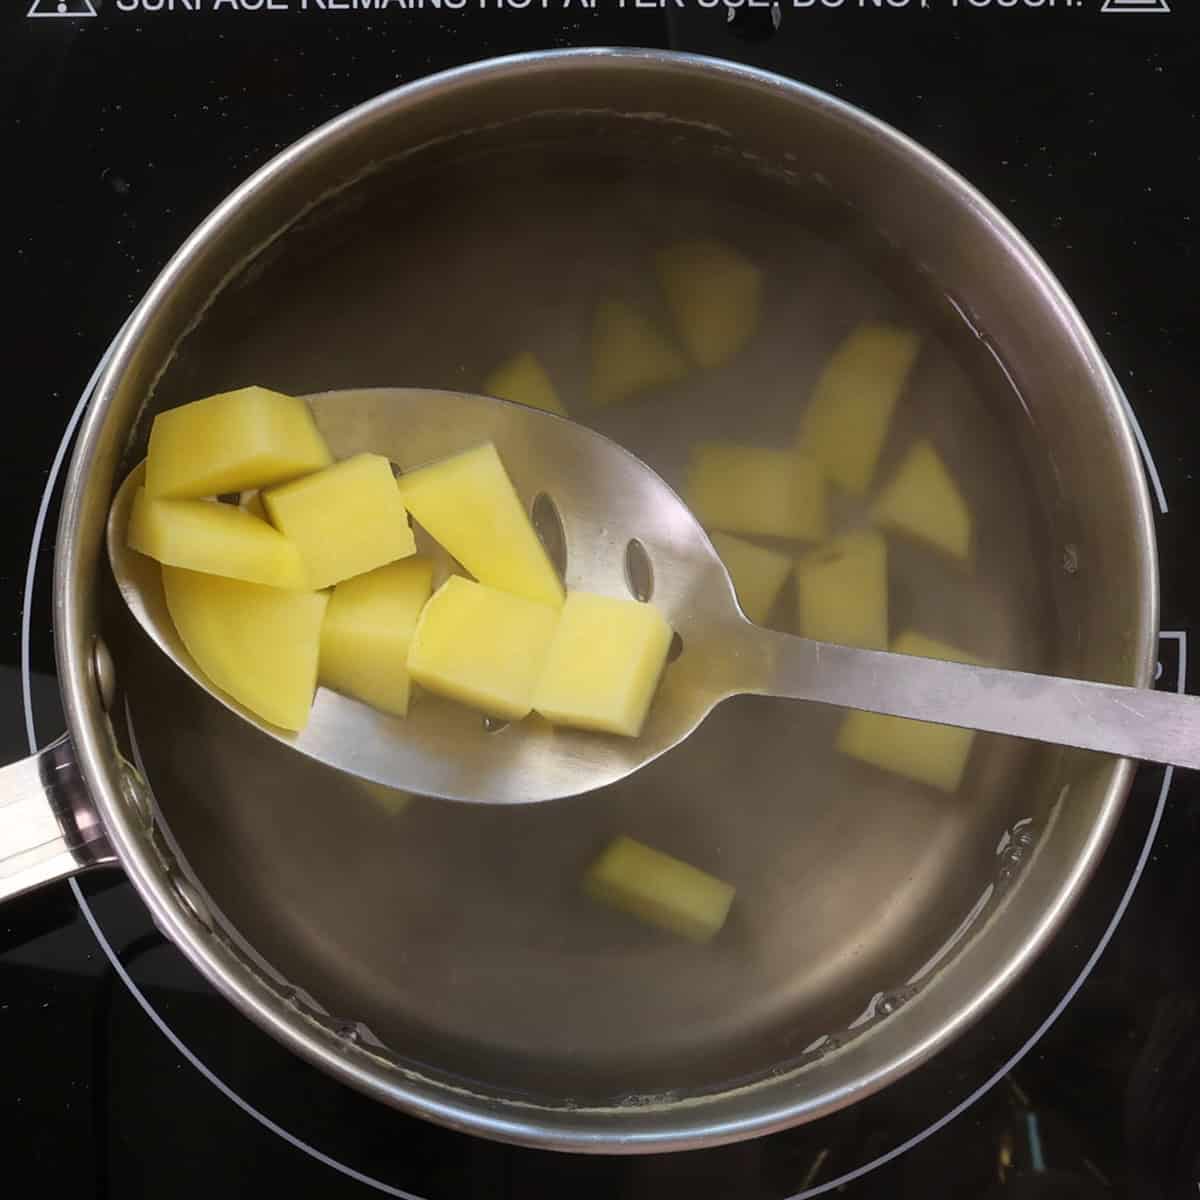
column 459, row 936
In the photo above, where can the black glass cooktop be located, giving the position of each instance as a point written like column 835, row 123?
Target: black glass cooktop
column 123, row 1074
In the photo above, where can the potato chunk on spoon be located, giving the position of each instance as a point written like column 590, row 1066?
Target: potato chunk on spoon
column 607, row 499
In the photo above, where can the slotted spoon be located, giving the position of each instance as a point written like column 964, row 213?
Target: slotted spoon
column 605, row 499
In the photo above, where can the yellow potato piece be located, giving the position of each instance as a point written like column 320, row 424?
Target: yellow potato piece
column 367, row 632
column 630, row 354
column 924, row 752
column 842, row 593
column 249, row 438
column 471, row 509
column 714, row 294
column 660, row 890
column 923, row 501
column 218, row 539
column 758, row 574
column 345, row 520
column 848, row 417
column 604, row 664
column 258, row 644
column 747, row 489
column 523, row 380
column 392, row 801
column 482, row 647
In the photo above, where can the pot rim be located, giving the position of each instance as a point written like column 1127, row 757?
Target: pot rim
column 675, row 1126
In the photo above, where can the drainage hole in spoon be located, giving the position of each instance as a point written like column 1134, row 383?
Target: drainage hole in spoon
column 675, row 649
column 547, row 522
column 639, row 575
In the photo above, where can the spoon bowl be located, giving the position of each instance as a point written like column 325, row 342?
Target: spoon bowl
column 616, row 528
column 601, row 498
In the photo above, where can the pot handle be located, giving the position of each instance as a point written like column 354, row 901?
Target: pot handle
column 49, row 828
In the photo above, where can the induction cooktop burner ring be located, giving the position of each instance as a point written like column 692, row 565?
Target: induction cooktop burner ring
column 390, row 1190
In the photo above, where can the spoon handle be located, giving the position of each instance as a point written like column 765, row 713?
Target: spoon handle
column 1162, row 727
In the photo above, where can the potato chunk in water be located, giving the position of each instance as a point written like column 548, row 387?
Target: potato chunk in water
column 851, row 408
column 923, row 501
column 524, row 380
column 749, row 489
column 925, row 753
column 841, row 592
column 758, row 574
column 660, row 890
column 714, row 294
column 630, row 354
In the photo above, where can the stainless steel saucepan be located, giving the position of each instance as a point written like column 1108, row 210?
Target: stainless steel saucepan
column 441, row 957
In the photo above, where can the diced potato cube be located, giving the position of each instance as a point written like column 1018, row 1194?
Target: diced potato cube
column 345, row 520
column 258, row 644
column 918, row 750
column 747, row 489
column 842, row 592
column 523, row 380
column 604, row 664
column 630, row 354
column 923, row 501
column 660, row 890
column 249, row 438
column 367, row 632
column 481, row 646
column 714, row 294
column 218, row 539
column 392, row 801
column 470, row 507
column 850, row 411
column 758, row 574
